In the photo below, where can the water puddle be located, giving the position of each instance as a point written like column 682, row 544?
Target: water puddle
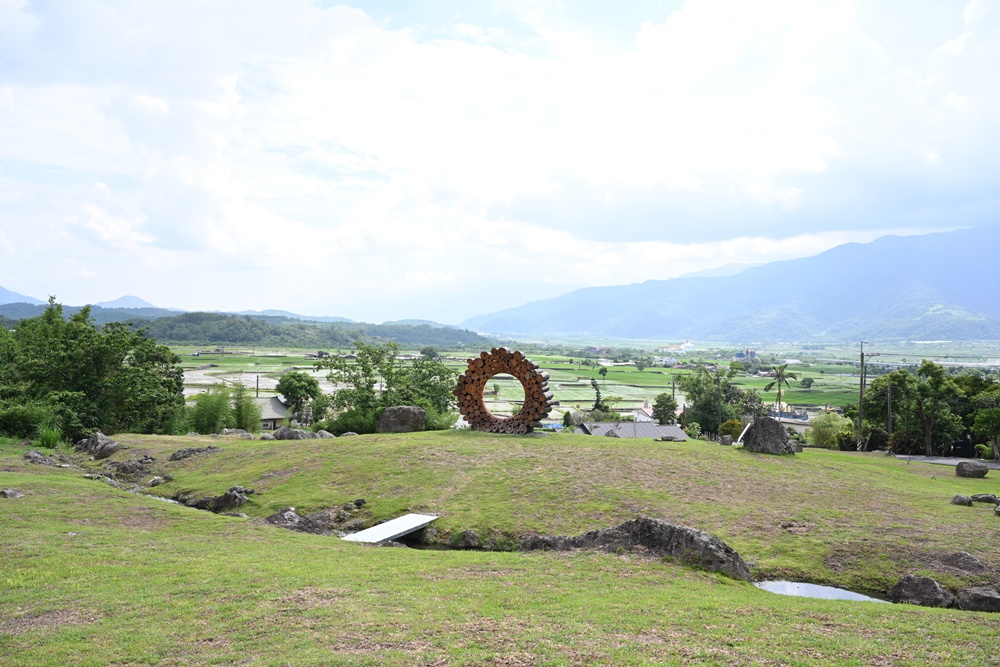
column 813, row 591
column 161, row 498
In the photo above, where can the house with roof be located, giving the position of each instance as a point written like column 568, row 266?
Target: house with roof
column 273, row 412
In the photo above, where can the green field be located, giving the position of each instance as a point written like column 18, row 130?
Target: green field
column 96, row 576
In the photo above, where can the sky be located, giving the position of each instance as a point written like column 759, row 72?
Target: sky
column 440, row 159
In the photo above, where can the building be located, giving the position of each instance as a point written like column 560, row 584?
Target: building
column 273, row 412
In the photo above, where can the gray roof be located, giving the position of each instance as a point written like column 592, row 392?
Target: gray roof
column 632, row 430
column 271, row 407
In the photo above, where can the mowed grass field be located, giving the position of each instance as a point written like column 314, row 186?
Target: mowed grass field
column 92, row 575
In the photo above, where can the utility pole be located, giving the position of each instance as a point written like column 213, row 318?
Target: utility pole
column 889, row 395
column 861, row 392
column 718, row 382
column 673, row 386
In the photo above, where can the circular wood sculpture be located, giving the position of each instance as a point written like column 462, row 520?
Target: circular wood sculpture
column 537, row 397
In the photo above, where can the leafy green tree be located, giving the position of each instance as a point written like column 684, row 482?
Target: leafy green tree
column 781, row 377
column 826, row 429
column 429, row 352
column 603, row 372
column 935, row 392
column 665, row 408
column 298, row 388
column 112, row 378
column 711, row 397
column 987, row 425
column 376, row 379
column 806, row 383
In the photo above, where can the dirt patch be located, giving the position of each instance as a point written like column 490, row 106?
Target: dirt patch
column 50, row 620
column 797, row 527
column 360, row 645
column 314, row 598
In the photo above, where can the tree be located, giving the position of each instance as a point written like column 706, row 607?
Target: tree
column 429, row 352
column 84, row 378
column 781, row 377
column 376, row 379
column 298, row 387
column 211, row 411
column 806, row 383
column 935, row 391
column 603, row 372
column 246, row 412
column 665, row 408
column 711, row 397
column 826, row 428
column 987, row 425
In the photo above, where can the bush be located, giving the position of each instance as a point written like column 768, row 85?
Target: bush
column 211, row 411
column 24, row 420
column 828, row 430
column 693, row 430
column 732, row 428
column 245, row 412
column 358, row 421
column 984, row 452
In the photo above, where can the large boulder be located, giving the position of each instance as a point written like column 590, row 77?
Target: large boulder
column 467, row 539
column 238, row 432
column 971, row 469
column 188, row 452
column 964, row 561
column 767, row 436
column 962, row 500
column 287, row 433
column 402, row 419
column 687, row 545
column 326, row 435
column 726, row 440
column 979, row 599
column 98, row 445
column 923, row 591
column 985, row 498
column 288, row 518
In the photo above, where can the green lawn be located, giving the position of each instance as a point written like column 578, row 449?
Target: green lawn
column 96, row 576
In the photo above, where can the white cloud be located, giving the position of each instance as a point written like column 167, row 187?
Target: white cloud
column 421, row 162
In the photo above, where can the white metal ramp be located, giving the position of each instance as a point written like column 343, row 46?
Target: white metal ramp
column 391, row 530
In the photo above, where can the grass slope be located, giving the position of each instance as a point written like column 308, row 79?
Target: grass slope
column 96, row 576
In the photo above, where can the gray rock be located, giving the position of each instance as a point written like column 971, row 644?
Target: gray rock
column 287, row 518
column 985, row 498
column 402, row 419
column 922, row 591
column 266, row 436
column 11, row 493
column 963, row 560
column 36, row 457
column 688, row 545
column 354, row 526
column 238, row 515
column 98, row 445
column 979, row 599
column 767, row 436
column 188, row 452
column 325, row 434
column 360, row 502
column 348, row 434
column 287, row 433
column 155, row 481
column 467, row 539
column 996, row 510
column 971, row 469
column 962, row 500
column 726, row 441
column 232, row 498
column 238, row 432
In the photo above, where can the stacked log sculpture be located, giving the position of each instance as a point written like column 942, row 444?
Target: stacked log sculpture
column 537, row 397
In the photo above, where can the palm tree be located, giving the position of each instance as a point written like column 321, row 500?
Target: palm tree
column 781, row 376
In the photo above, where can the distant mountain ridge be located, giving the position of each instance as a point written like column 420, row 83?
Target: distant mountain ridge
column 935, row 286
column 6, row 296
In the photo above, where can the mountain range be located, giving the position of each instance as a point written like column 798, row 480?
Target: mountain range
column 929, row 287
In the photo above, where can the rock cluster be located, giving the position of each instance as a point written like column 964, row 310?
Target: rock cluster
column 767, row 436
column 339, row 519
column 98, row 445
column 287, row 433
column 36, row 457
column 188, row 452
column 926, row 592
column 11, row 493
column 688, row 545
column 234, row 497
column 288, row 518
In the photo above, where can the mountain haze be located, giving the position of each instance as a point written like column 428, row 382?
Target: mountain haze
column 6, row 296
column 936, row 286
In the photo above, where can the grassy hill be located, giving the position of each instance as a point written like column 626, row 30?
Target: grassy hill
column 93, row 575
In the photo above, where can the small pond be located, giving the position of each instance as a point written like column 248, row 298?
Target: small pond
column 812, row 591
